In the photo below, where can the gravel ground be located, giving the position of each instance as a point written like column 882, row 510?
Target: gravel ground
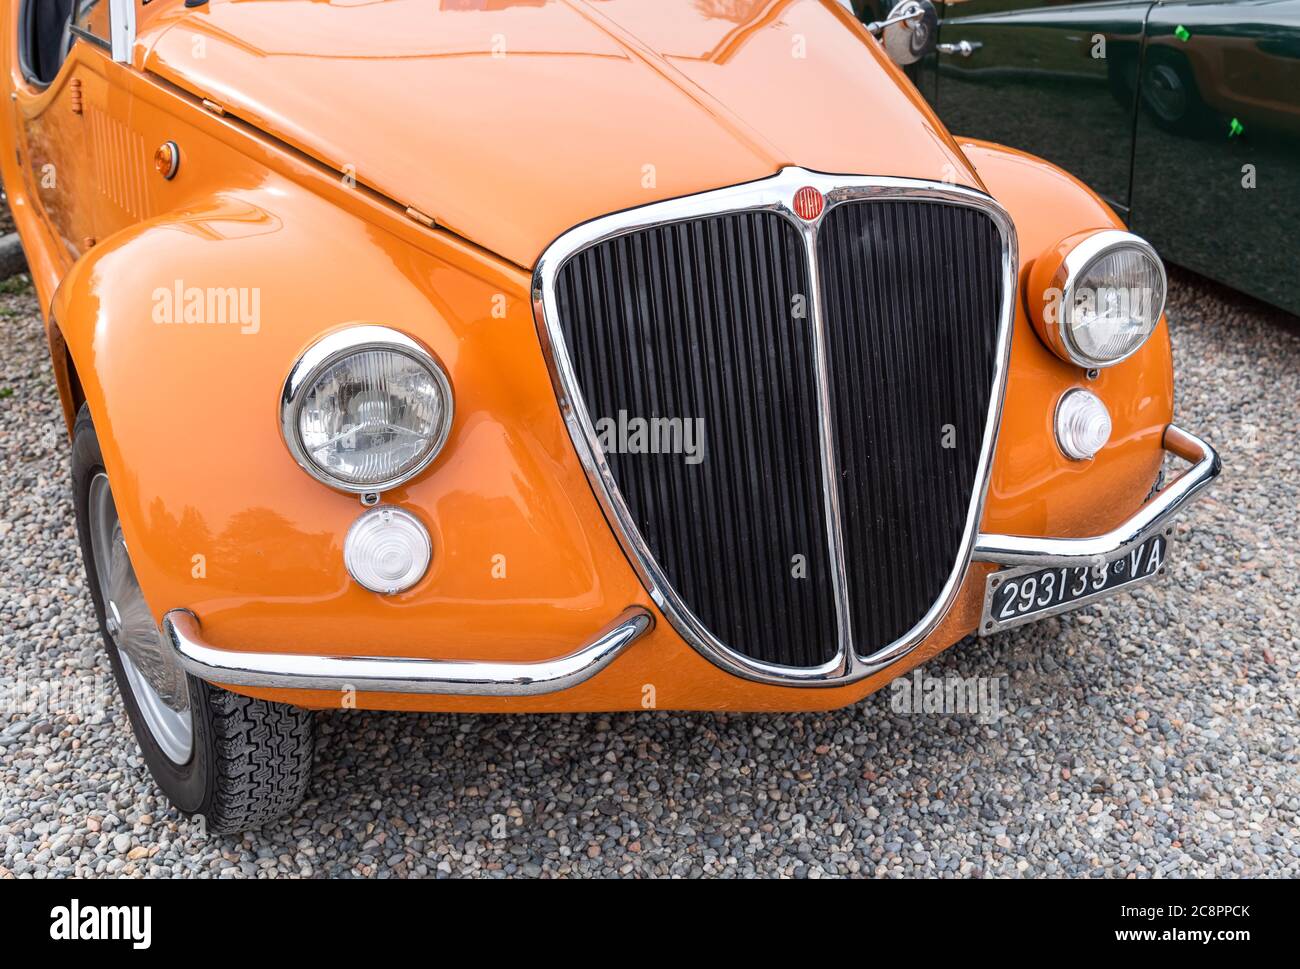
column 1151, row 738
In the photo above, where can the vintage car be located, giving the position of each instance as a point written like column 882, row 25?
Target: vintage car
column 527, row 355
column 1184, row 115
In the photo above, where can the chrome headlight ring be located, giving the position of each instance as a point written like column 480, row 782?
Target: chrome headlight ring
column 329, row 350
column 1065, row 281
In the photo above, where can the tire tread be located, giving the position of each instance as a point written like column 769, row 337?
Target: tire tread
column 252, row 758
column 263, row 759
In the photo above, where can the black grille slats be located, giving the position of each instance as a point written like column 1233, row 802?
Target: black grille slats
column 912, row 294
column 696, row 320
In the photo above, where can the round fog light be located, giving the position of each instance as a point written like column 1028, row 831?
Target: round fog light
column 387, row 550
column 1082, row 424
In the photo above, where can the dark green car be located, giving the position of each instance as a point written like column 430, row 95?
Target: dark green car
column 1184, row 116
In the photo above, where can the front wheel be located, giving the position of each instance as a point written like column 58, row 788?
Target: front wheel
column 233, row 760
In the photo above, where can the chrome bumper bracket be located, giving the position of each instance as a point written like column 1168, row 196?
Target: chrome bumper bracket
column 1151, row 517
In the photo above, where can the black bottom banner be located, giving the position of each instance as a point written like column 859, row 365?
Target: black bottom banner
column 358, row 918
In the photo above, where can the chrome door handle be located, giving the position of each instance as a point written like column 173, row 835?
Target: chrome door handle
column 963, row 48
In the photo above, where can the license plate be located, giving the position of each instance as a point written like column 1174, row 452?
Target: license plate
column 1020, row 595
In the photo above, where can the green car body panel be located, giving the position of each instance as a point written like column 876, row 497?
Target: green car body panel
column 1184, row 116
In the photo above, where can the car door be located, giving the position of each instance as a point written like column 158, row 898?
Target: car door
column 115, row 145
column 1056, row 79
column 1216, row 175
column 50, row 103
column 85, row 171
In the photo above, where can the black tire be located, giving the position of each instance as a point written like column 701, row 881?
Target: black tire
column 13, row 260
column 251, row 759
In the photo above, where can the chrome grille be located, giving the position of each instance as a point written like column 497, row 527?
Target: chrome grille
column 854, row 436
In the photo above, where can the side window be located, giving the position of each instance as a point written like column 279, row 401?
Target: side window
column 92, row 21
column 43, row 38
column 107, row 23
column 47, row 30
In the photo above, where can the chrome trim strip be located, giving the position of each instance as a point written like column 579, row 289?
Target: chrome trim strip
column 390, row 674
column 121, row 22
column 774, row 194
column 829, row 461
column 1173, row 498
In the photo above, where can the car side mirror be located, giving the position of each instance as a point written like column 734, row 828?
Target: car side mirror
column 910, row 32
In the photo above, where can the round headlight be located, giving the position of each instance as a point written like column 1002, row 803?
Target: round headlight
column 365, row 409
column 1100, row 297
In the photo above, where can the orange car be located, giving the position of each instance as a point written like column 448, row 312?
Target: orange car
column 559, row 355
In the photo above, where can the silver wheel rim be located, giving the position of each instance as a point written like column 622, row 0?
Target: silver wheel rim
column 128, row 621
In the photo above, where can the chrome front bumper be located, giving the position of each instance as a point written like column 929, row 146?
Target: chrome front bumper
column 183, row 633
column 1151, row 517
column 391, row 674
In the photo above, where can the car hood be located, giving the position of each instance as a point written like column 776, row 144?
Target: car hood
column 510, row 121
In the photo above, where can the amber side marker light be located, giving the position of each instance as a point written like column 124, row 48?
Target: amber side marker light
column 167, row 160
column 1095, row 297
